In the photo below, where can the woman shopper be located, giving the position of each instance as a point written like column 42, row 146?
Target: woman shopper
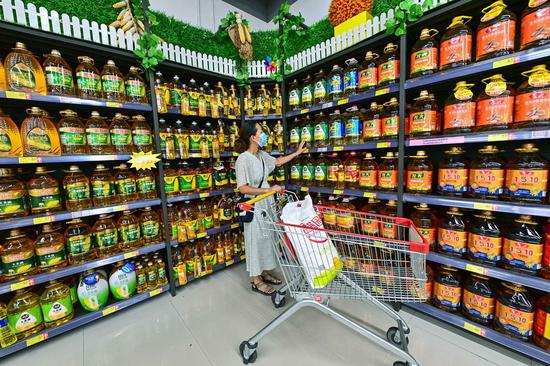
column 253, row 166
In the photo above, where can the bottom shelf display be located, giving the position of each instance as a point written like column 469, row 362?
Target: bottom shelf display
column 181, row 281
column 525, row 348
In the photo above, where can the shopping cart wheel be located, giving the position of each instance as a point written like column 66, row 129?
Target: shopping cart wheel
column 252, row 356
column 401, row 363
column 278, row 299
column 394, row 336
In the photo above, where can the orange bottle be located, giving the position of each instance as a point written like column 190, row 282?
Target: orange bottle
column 425, row 54
column 387, row 172
column 368, row 173
column 496, row 32
column 459, row 112
column 495, row 105
column 372, row 123
column 452, row 179
column 535, row 24
column 515, row 311
column 485, row 239
column 390, row 119
column 447, row 289
column 388, row 68
column 533, row 98
column 419, row 174
column 424, row 119
column 452, row 236
column 527, row 176
column 523, row 246
column 426, row 222
column 456, row 44
column 541, row 334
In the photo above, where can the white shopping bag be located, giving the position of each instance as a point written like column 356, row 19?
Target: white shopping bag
column 313, row 247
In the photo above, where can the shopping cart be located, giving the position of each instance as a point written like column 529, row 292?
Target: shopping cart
column 382, row 259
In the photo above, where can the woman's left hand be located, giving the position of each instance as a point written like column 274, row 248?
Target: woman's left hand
column 301, row 149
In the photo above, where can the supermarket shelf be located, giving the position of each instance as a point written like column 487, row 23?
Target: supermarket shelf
column 226, row 154
column 68, row 215
column 210, row 232
column 345, row 101
column 477, row 137
column 57, row 99
column 476, row 204
column 345, row 192
column 216, row 268
column 194, row 196
column 177, row 111
column 270, row 117
column 354, row 147
column 81, row 318
column 539, row 53
column 525, row 348
column 70, row 270
column 502, row 274
column 84, row 158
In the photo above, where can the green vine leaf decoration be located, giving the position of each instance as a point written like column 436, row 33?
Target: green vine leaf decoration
column 149, row 43
column 242, row 76
column 408, row 11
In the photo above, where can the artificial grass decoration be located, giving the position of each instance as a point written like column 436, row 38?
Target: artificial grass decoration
column 382, row 6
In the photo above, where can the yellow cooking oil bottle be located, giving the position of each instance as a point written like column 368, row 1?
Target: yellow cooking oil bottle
column 39, row 134
column 24, row 313
column 56, row 304
column 97, row 134
column 23, row 71
column 3, row 83
column 17, row 255
column 10, row 139
column 7, row 335
column 78, row 240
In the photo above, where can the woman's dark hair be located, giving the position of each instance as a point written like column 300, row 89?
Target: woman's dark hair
column 247, row 130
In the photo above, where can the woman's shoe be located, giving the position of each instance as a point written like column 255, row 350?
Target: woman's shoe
column 257, row 288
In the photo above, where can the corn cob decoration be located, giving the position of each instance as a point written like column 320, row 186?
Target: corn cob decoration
column 126, row 20
column 240, row 36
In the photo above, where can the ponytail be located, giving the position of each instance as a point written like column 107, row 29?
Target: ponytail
column 247, row 130
column 241, row 145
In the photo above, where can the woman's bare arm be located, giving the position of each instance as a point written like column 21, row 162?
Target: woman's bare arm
column 285, row 159
column 253, row 191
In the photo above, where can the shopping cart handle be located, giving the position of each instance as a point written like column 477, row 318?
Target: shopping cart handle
column 248, row 205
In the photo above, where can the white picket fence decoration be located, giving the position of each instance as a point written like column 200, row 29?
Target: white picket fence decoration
column 15, row 11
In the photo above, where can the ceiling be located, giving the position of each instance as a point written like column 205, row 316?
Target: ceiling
column 261, row 9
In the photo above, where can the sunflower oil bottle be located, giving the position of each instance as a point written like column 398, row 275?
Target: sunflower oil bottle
column 105, row 235
column 56, row 304
column 129, row 233
column 78, row 240
column 121, row 134
column 88, row 80
column 112, row 82
column 59, row 75
column 23, row 71
column 50, row 249
column 43, row 189
column 149, row 222
column 10, row 139
column 12, row 194
column 7, row 335
column 77, row 189
column 125, row 184
column 122, row 280
column 146, row 184
column 39, row 134
column 17, row 255
column 142, row 136
column 72, row 133
column 134, row 85
column 103, row 186
column 97, row 135
column 24, row 313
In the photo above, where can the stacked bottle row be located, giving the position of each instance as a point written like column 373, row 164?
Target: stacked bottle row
column 43, row 193
column 197, row 257
column 32, row 309
column 21, row 71
column 510, row 308
column 25, row 252
column 263, row 102
column 194, row 100
column 40, row 136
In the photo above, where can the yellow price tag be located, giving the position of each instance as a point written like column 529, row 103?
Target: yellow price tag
column 21, row 284
column 155, row 292
column 234, row 226
column 382, row 91
column 204, row 195
column 110, row 310
column 17, row 95
column 228, row 263
column 235, row 154
column 304, row 189
column 476, row 269
column 369, row 194
column 120, row 208
column 131, row 254
column 343, row 101
column 231, row 117
column 37, row 339
column 338, row 191
column 484, row 206
column 506, row 62
column 42, row 220
column 498, row 137
column 305, row 110
column 474, row 329
column 382, row 145
column 202, row 234
column 113, row 104
column 29, row 160
column 338, row 148
column 243, row 257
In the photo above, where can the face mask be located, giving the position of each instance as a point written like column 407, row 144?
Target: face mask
column 263, row 139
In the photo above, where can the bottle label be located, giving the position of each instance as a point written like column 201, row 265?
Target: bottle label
column 425, row 121
column 294, row 135
column 146, row 184
column 320, row 132
column 171, row 184
column 307, row 96
column 294, row 98
column 495, row 111
column 187, row 182
column 419, row 180
column 352, row 127
column 487, row 181
column 5, row 143
column 112, row 83
column 320, row 173
column 204, row 181
column 522, row 255
column 496, row 37
column 58, row 309
column 459, row 115
column 483, row 247
column 456, row 49
column 135, row 88
column 351, row 173
column 44, row 198
column 371, row 128
column 174, row 97
column 424, row 60
column 428, row 234
column 307, row 134
column 447, row 296
column 77, row 191
column 202, row 107
column 12, row 202
column 351, row 79
column 296, row 172
column 150, row 229
column 88, row 81
column 98, row 136
column 368, row 78
column 50, row 256
column 535, row 26
column 142, row 137
column 320, row 90
column 329, row 217
column 532, row 106
column 334, row 84
column 280, row 174
column 452, row 241
column 26, row 320
column 21, row 76
column 308, row 173
column 526, row 183
column 103, row 189
column 542, row 323
column 513, row 320
column 79, row 244
column 195, row 142
column 345, row 221
column 125, row 186
column 387, row 179
column 220, row 178
column 120, row 136
column 332, row 173
column 335, row 130
column 72, row 136
column 59, row 76
column 369, row 226
column 18, row 263
column 129, row 233
column 38, row 140
column 453, row 180
column 105, row 238
column 367, row 178
column 480, row 307
column 390, row 126
column 388, row 71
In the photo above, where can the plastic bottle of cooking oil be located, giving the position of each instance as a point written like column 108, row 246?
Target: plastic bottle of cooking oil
column 152, row 275
column 141, row 134
column 10, row 139
column 17, row 255
column 39, row 134
column 77, row 189
column 112, row 82
column 59, row 75
column 3, row 82
column 56, row 304
column 24, row 313
column 7, row 336
column 136, row 91
column 129, row 233
column 12, row 194
column 141, row 279
column 161, row 271
column 122, row 281
column 121, row 135
column 150, row 226
column 23, row 71
column 105, row 236
column 97, row 135
column 43, row 188
column 88, row 81
column 50, row 249
column 103, row 186
column 72, row 133
column 125, row 184
column 78, row 240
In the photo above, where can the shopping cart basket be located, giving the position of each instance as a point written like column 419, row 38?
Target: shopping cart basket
column 382, row 259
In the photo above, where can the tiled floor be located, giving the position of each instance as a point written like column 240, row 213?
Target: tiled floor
column 206, row 321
